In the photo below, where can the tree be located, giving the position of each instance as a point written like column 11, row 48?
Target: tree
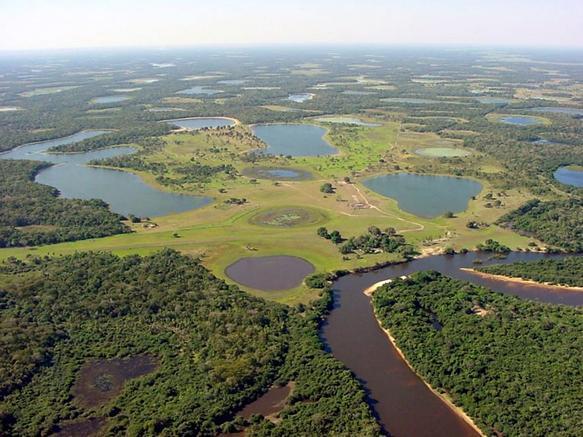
column 335, row 237
column 327, row 188
column 323, row 232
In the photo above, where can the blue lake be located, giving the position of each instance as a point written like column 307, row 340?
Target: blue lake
column 125, row 192
column 520, row 120
column 201, row 122
column 294, row 139
column 425, row 196
column 568, row 176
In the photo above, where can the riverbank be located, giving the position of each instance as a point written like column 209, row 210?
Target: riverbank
column 522, row 280
column 442, row 396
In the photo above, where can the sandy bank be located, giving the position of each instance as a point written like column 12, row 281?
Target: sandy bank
column 523, row 281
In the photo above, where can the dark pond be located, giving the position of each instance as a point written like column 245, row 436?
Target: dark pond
column 199, row 90
column 270, row 403
column 402, row 402
column 109, row 99
column 293, row 139
column 270, row 273
column 520, row 120
column 201, row 122
column 99, row 381
column 423, row 195
column 125, row 192
column 568, row 176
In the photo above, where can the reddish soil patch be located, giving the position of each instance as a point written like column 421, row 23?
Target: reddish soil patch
column 99, row 381
column 81, row 428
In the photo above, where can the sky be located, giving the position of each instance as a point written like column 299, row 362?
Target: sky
column 47, row 24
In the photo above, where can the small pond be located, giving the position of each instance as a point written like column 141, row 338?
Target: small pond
column 293, row 139
column 125, row 192
column 425, row 195
column 195, row 123
column 232, row 82
column 277, row 173
column 199, row 90
column 570, row 176
column 108, row 99
column 520, row 120
column 358, row 93
column 300, row 98
column 270, row 273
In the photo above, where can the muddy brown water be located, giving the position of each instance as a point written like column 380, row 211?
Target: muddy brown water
column 270, row 273
column 402, row 403
column 270, row 403
column 99, row 381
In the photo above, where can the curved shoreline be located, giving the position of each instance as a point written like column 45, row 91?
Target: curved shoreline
column 522, row 281
column 442, row 396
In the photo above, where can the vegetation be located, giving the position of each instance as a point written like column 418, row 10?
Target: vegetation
column 557, row 223
column 377, row 241
column 564, row 271
column 217, row 349
column 493, row 246
column 511, row 364
column 31, row 214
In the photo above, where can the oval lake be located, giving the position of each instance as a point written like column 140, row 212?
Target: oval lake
column 569, row 176
column 293, row 139
column 195, row 123
column 423, row 195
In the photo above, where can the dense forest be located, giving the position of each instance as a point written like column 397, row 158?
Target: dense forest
column 513, row 365
column 564, row 271
column 31, row 214
column 215, row 346
column 557, row 223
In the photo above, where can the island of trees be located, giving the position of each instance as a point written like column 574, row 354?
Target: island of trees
column 513, row 365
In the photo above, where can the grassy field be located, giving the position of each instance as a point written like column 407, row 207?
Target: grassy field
column 222, row 233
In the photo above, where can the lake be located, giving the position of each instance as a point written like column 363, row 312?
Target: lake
column 270, row 273
column 569, row 176
column 300, row 98
column 125, row 192
column 423, row 195
column 199, row 90
column 195, row 123
column 520, row 120
column 293, row 139
column 108, row 99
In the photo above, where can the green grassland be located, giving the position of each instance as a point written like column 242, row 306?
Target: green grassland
column 221, row 233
